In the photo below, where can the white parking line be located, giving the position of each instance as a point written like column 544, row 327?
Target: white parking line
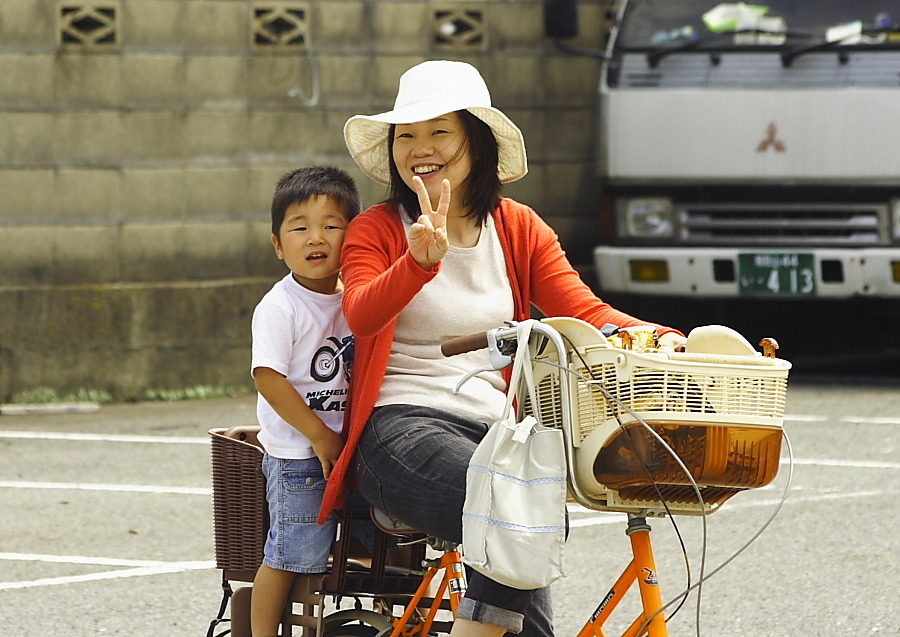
column 857, row 420
column 856, row 464
column 135, row 488
column 131, row 568
column 79, row 559
column 140, row 568
column 157, row 569
column 194, row 440
column 613, row 518
column 130, row 488
column 55, row 435
column 870, row 421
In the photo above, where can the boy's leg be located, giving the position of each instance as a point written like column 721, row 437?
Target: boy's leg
column 295, row 543
column 267, row 602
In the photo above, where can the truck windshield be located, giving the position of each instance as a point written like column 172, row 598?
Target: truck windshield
column 654, row 24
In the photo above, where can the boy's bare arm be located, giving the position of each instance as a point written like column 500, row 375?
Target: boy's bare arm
column 288, row 404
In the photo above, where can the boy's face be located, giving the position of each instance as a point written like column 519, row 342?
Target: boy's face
column 310, row 241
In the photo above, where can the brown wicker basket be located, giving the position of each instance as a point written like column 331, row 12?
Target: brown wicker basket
column 241, row 520
column 240, row 515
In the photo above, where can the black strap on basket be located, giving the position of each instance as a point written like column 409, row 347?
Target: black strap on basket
column 227, row 592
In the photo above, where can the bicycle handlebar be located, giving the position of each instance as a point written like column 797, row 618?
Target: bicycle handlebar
column 463, row 344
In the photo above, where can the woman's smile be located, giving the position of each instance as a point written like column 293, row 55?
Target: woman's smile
column 426, row 170
column 433, row 150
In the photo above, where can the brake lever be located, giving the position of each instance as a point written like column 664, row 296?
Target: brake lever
column 500, row 356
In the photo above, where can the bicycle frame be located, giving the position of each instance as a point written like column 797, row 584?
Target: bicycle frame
column 419, row 615
column 641, row 569
column 453, row 580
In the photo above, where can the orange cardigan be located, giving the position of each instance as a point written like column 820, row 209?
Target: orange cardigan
column 381, row 278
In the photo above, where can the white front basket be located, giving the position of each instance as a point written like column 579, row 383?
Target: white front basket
column 722, row 414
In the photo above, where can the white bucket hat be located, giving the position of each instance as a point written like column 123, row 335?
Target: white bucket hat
column 429, row 90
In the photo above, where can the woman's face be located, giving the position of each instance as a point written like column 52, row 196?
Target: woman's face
column 434, row 150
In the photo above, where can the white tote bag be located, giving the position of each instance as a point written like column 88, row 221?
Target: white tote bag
column 514, row 516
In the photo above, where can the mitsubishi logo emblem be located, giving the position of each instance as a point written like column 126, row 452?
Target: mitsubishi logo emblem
column 771, row 140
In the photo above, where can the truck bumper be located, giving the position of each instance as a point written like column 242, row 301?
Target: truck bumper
column 715, row 272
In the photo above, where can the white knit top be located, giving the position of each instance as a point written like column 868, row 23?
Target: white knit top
column 470, row 294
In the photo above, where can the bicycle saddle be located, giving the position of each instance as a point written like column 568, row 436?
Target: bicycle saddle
column 387, row 524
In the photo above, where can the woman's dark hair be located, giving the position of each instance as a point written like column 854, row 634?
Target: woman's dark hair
column 483, row 185
column 302, row 184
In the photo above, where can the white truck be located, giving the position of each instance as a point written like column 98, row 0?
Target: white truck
column 751, row 150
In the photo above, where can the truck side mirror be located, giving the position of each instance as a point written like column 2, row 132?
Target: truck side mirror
column 560, row 18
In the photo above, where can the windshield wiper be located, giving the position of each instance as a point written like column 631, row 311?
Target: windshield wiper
column 653, row 58
column 788, row 57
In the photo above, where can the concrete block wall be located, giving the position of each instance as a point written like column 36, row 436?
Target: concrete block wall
column 140, row 141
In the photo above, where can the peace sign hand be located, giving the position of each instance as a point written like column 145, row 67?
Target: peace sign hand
column 427, row 237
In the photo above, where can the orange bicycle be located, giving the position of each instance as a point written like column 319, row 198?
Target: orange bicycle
column 648, row 432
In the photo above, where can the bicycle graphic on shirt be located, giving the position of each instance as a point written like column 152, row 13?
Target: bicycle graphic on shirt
column 327, row 360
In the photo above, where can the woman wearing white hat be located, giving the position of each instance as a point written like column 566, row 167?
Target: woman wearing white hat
column 444, row 256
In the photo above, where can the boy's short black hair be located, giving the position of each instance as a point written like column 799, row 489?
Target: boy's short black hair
column 302, row 184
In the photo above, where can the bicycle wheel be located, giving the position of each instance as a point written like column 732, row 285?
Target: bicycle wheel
column 354, row 623
column 352, row 630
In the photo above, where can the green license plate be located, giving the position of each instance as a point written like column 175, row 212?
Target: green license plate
column 790, row 274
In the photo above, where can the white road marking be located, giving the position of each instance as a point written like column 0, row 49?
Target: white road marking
column 79, row 559
column 141, row 571
column 870, row 421
column 856, row 464
column 194, row 440
column 131, row 568
column 129, row 488
column 858, row 420
column 614, row 518
column 140, row 568
column 56, row 435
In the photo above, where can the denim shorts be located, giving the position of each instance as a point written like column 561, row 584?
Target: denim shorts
column 411, row 462
column 296, row 542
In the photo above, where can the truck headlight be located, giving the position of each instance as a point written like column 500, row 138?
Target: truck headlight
column 646, row 218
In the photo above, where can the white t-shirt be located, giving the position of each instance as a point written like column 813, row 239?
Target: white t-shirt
column 470, row 294
column 299, row 334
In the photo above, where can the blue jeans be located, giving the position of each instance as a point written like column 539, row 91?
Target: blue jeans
column 294, row 491
column 411, row 462
column 296, row 542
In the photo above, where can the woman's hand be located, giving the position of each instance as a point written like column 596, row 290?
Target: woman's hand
column 428, row 235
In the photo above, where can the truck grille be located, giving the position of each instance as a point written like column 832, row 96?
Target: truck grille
column 783, row 224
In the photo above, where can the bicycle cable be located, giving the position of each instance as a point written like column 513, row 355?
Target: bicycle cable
column 593, row 382
column 765, row 525
column 704, row 577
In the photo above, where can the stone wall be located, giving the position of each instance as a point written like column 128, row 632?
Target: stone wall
column 140, row 141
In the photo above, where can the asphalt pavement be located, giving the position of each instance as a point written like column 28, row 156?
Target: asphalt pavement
column 106, row 527
column 107, row 519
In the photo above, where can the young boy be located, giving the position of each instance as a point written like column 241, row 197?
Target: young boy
column 300, row 343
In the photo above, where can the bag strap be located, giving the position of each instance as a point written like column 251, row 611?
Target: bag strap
column 529, row 379
column 521, row 365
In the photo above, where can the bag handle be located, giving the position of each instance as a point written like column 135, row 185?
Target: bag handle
column 521, row 364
